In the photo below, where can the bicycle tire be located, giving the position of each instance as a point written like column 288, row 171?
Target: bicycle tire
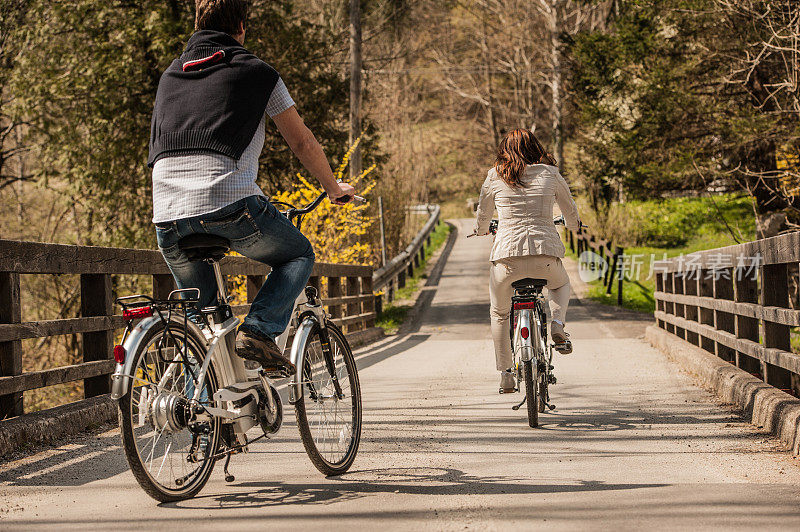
column 530, row 392
column 141, row 472
column 329, row 467
column 542, row 392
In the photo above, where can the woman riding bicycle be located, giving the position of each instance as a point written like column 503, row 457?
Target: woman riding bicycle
column 523, row 185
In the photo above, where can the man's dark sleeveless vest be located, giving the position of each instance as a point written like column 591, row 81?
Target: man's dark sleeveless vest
column 211, row 99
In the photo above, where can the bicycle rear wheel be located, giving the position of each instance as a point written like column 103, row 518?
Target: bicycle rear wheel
column 530, row 374
column 170, row 456
column 329, row 413
column 542, row 392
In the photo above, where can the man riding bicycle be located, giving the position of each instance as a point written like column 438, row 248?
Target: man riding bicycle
column 207, row 133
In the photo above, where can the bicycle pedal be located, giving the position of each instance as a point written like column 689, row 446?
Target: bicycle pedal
column 565, row 348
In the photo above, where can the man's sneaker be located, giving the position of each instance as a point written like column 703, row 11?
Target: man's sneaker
column 507, row 382
column 560, row 338
column 262, row 350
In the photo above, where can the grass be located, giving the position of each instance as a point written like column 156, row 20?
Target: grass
column 696, row 222
column 394, row 314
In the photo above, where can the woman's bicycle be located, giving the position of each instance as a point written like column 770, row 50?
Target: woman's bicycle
column 186, row 400
column 532, row 353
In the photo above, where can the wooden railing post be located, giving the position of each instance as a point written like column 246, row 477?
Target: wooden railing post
column 335, row 290
column 723, row 321
column 680, row 309
column 775, row 293
column 10, row 352
column 706, row 289
column 660, row 305
column 96, row 300
column 163, row 284
column 353, row 309
column 669, row 288
column 691, row 287
column 746, row 291
column 368, row 306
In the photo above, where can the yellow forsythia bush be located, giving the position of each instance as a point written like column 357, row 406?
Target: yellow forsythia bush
column 336, row 231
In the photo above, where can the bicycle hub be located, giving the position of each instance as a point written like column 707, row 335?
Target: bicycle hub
column 169, row 412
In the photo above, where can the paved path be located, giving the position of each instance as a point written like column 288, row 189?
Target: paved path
column 632, row 444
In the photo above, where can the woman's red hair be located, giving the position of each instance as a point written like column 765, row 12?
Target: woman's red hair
column 518, row 149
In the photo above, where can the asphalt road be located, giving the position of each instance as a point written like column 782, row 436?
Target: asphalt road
column 632, row 444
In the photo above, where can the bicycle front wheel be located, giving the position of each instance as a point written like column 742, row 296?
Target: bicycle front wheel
column 530, row 373
column 329, row 413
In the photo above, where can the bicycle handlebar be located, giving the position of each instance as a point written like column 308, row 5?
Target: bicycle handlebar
column 558, row 220
column 294, row 212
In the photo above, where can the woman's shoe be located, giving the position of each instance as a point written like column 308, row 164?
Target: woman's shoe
column 560, row 338
column 507, row 382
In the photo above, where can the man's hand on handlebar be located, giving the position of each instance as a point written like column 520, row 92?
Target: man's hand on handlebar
column 342, row 196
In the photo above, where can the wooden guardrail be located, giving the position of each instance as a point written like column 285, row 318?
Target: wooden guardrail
column 348, row 294
column 393, row 274
column 739, row 302
column 581, row 240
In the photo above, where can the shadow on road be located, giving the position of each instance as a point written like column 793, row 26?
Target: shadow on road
column 413, row 481
column 395, row 348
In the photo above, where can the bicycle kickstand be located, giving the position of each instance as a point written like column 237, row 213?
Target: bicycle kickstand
column 517, row 407
column 228, row 476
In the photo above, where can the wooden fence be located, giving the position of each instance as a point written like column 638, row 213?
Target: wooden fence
column 580, row 241
column 739, row 302
column 393, row 274
column 348, row 294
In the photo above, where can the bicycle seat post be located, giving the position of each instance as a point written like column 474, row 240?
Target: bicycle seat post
column 222, row 292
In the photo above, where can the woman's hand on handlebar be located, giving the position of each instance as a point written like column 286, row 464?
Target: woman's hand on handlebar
column 343, row 195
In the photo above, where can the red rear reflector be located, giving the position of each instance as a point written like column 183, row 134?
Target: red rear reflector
column 526, row 305
column 133, row 313
column 524, row 332
column 119, row 354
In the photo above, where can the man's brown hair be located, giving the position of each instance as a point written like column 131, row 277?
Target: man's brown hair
column 228, row 16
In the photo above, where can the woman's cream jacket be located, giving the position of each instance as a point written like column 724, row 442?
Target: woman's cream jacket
column 526, row 214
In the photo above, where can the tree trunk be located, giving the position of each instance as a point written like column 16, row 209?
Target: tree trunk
column 558, row 140
column 355, row 85
column 487, row 59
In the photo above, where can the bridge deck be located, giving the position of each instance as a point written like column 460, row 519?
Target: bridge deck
column 633, row 443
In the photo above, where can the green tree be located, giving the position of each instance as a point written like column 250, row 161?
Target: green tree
column 88, row 82
column 670, row 98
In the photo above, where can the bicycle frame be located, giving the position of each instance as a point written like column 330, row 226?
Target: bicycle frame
column 235, row 381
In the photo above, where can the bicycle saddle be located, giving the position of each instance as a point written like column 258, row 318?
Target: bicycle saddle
column 200, row 246
column 529, row 283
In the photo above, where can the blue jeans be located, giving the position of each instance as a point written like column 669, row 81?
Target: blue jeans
column 257, row 230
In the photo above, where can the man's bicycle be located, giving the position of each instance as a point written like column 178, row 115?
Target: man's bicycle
column 186, row 400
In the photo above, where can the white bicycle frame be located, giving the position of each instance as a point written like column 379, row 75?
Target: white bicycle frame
column 235, row 381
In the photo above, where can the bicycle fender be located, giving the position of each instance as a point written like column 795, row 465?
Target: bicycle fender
column 296, row 356
column 123, row 374
column 525, row 345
